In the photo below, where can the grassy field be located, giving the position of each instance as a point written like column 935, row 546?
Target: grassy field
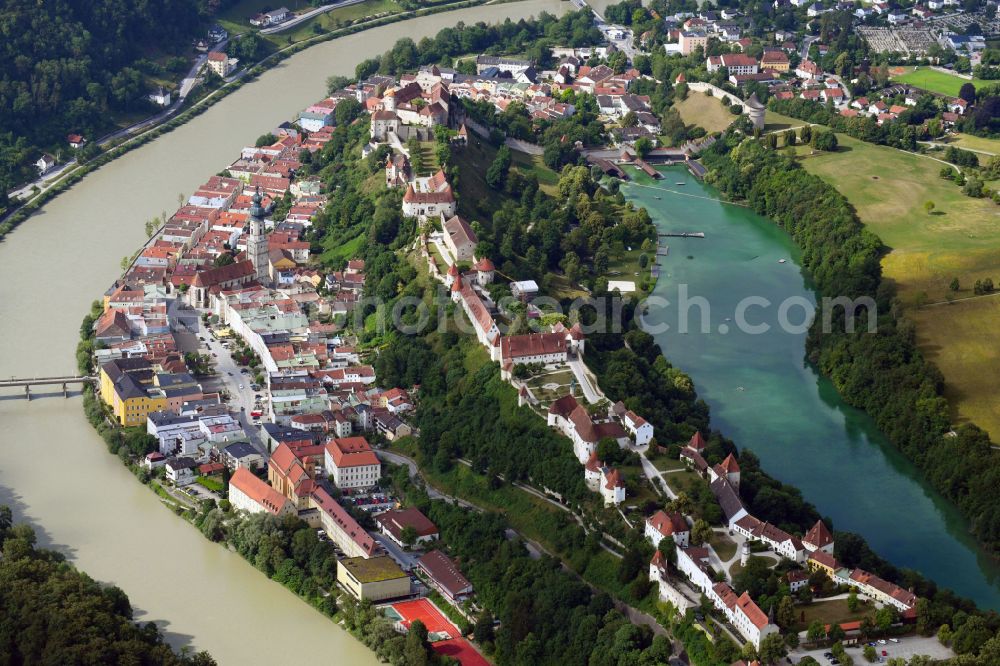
column 828, row 612
column 933, row 80
column 961, row 239
column 704, row 111
column 775, row 121
column 960, row 339
column 986, row 147
column 236, row 19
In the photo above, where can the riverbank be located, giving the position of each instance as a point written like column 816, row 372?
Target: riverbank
column 87, row 505
column 17, row 215
column 776, row 404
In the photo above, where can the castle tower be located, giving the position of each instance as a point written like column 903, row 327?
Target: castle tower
column 257, row 240
column 745, row 554
column 756, row 111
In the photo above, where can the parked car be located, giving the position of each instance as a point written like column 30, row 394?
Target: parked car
column 894, row 640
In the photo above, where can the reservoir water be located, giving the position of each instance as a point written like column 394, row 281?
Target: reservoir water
column 55, row 471
column 765, row 396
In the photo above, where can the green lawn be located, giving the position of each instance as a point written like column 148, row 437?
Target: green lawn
column 704, row 111
column 477, row 199
column 828, row 612
column 236, row 19
column 212, row 483
column 961, row 239
column 934, row 81
column 774, row 122
column 979, row 144
column 665, row 463
column 345, row 251
column 534, row 165
column 681, row 481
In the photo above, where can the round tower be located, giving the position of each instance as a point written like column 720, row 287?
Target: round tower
column 756, row 111
column 745, row 554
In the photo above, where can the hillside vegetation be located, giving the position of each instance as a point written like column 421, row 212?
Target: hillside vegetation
column 75, row 66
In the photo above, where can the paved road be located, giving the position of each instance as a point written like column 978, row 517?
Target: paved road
column 590, row 390
column 308, row 15
column 806, row 43
column 186, row 324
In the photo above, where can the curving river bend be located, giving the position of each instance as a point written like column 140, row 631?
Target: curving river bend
column 55, row 471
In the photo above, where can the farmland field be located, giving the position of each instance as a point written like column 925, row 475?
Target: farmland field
column 961, row 239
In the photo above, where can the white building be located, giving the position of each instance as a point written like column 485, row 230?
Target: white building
column 661, row 525
column 352, row 463
column 251, row 494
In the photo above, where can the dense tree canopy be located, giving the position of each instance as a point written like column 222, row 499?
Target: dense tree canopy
column 53, row 613
column 66, row 66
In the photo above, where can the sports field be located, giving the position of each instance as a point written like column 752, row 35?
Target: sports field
column 960, row 239
column 933, row 80
column 444, row 636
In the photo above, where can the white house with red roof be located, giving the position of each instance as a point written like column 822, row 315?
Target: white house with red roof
column 780, row 541
column 662, row 524
column 818, row 538
column 612, row 486
column 248, row 493
column 572, row 419
column 728, row 469
column 351, row 462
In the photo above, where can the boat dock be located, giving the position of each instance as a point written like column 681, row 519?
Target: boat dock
column 697, row 169
column 648, row 170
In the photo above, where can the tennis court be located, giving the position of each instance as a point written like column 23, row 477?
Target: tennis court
column 438, row 626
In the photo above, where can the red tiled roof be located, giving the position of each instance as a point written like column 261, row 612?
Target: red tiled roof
column 251, row 486
column 351, row 452
column 818, row 535
column 532, row 344
column 668, row 524
column 752, row 611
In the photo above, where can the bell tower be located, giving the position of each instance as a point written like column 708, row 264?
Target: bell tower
column 257, row 240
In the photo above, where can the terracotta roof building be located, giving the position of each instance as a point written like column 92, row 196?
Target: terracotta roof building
column 445, row 576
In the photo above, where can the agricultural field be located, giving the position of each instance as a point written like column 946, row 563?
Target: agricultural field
column 704, row 111
column 960, row 239
column 933, row 80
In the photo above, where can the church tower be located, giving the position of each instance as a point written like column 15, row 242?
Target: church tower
column 257, row 241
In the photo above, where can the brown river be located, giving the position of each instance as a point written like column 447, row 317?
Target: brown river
column 54, row 470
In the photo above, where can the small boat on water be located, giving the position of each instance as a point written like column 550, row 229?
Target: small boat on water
column 781, row 261
column 678, row 183
column 657, row 198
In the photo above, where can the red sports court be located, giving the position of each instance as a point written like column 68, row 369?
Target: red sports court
column 443, row 635
column 423, row 610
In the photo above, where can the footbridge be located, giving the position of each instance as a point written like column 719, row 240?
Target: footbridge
column 64, row 381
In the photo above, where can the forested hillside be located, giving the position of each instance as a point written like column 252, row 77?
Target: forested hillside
column 71, row 66
column 54, row 614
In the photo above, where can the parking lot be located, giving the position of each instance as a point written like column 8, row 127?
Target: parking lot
column 370, row 502
column 908, row 646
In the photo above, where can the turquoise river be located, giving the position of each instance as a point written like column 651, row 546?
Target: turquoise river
column 766, row 397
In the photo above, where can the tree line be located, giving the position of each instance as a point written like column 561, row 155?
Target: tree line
column 883, row 373
column 54, row 613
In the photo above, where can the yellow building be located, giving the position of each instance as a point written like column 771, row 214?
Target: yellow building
column 126, row 387
column 775, row 60
column 374, row 578
column 823, row 561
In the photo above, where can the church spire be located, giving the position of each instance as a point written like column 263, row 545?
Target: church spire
column 257, row 210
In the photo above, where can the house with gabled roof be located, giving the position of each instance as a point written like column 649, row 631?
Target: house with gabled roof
column 818, row 538
column 663, row 524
